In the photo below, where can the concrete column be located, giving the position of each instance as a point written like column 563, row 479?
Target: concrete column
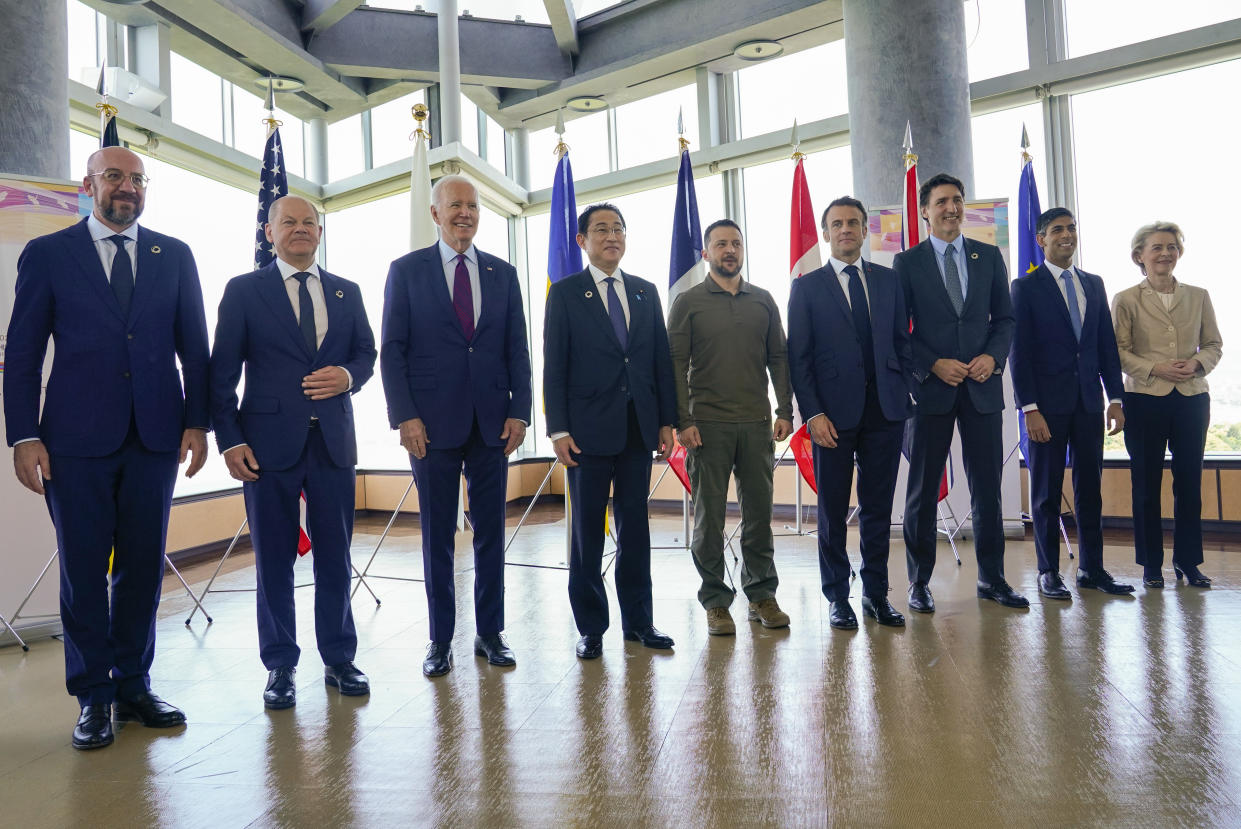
column 316, row 150
column 519, row 153
column 34, row 97
column 906, row 62
column 450, row 73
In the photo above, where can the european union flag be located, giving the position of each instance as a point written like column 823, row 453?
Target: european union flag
column 1029, row 254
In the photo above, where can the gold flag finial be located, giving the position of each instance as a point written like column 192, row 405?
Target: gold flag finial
column 561, row 148
column 421, row 113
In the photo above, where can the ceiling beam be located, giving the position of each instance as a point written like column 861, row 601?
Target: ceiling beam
column 320, row 15
column 563, row 18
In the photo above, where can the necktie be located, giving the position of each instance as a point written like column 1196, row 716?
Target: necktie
column 306, row 313
column 463, row 297
column 617, row 314
column 1075, row 313
column 952, row 280
column 122, row 274
column 861, row 319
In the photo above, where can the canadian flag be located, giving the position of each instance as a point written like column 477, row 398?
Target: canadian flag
column 303, row 540
column 803, row 258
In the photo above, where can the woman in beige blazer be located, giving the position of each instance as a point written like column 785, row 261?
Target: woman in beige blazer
column 1168, row 342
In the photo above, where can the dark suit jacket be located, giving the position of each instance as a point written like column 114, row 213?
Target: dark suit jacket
column 257, row 328
column 1049, row 366
column 431, row 371
column 586, row 374
column 984, row 327
column 825, row 353
column 107, row 368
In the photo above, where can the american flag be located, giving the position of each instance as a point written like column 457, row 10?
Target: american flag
column 273, row 183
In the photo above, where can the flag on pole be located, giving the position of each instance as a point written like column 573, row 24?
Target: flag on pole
column 686, row 267
column 803, row 258
column 422, row 232
column 1029, row 254
column 564, row 257
column 273, row 183
column 108, row 136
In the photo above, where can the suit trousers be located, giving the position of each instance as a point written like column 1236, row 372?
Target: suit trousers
column 1082, row 432
column 745, row 449
column 438, row 476
column 628, row 475
column 272, row 504
column 874, row 445
column 1154, row 424
column 983, row 450
column 113, row 507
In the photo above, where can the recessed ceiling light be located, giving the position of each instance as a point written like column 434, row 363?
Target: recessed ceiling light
column 587, row 103
column 280, row 83
column 758, row 49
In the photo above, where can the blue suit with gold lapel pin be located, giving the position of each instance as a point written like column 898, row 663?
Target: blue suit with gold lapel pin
column 463, row 389
column 112, row 423
column 299, row 444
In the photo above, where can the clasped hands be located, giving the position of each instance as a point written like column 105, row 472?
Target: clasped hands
column 1176, row 371
column 954, row 372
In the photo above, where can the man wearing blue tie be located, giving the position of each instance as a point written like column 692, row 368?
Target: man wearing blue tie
column 302, row 336
column 122, row 304
column 1064, row 347
column 611, row 402
column 456, row 373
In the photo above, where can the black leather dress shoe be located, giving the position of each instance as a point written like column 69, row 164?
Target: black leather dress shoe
column 920, row 598
column 1052, row 586
column 882, row 611
column 94, row 728
column 149, row 710
column 1193, row 576
column 1152, row 577
column 495, row 648
column 346, row 678
column 439, row 659
column 590, row 647
column 1102, row 580
column 280, row 692
column 1003, row 593
column 841, row 616
column 650, row 637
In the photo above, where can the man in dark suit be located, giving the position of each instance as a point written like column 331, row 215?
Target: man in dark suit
column 122, row 304
column 611, row 402
column 851, row 363
column 1063, row 347
column 956, row 293
column 302, row 336
column 456, row 372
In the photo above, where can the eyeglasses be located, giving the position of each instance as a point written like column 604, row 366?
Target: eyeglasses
column 605, row 232
column 114, row 176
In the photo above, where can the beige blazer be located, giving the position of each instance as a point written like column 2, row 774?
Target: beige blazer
column 1147, row 333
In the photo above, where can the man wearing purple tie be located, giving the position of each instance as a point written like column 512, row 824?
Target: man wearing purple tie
column 456, row 373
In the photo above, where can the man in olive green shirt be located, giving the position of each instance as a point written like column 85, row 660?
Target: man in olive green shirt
column 726, row 337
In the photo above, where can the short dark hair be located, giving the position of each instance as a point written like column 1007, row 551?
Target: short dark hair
column 719, row 223
column 924, row 192
column 1048, row 216
column 583, row 221
column 843, row 201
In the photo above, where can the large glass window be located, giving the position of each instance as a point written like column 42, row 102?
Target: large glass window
column 1094, row 26
column 587, row 138
column 392, row 124
column 250, row 130
column 344, row 143
column 198, row 99
column 646, row 130
column 997, row 156
column 995, row 36
column 776, row 92
column 83, row 40
column 1171, row 165
column 495, row 155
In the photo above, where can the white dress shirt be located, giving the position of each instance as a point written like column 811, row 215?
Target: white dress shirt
column 102, row 235
column 449, row 256
column 314, row 286
column 839, row 267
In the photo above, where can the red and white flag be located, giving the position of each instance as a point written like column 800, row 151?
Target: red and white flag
column 803, row 258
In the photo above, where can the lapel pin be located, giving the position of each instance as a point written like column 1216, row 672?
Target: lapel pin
column 154, row 248
column 589, row 294
column 973, row 256
column 340, row 294
column 488, row 267
column 640, row 295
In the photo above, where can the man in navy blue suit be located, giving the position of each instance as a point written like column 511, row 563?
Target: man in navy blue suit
column 302, row 337
column 456, row 372
column 611, row 402
column 1064, row 346
column 122, row 304
column 956, row 293
column 851, row 364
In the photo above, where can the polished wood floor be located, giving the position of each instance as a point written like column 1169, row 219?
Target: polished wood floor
column 1097, row 712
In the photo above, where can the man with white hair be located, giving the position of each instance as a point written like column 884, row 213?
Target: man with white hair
column 456, row 373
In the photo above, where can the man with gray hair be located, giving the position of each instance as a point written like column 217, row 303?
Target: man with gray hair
column 456, row 373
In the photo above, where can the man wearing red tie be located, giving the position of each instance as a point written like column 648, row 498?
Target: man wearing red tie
column 456, row 373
